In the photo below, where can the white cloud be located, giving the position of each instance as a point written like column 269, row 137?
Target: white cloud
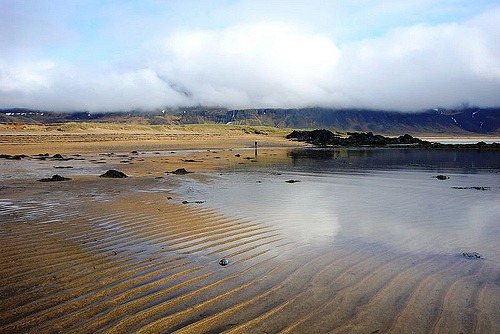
column 250, row 65
column 26, row 77
column 422, row 66
column 272, row 63
column 65, row 87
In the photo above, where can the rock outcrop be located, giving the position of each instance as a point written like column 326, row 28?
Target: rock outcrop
column 114, row 174
column 368, row 139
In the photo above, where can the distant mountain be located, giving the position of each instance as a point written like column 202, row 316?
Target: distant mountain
column 441, row 121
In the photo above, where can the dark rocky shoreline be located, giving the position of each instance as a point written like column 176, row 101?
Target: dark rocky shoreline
column 368, row 139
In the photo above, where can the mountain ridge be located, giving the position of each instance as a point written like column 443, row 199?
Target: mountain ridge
column 473, row 120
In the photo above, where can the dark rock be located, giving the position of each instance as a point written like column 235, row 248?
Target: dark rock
column 191, row 160
column 476, row 188
column 442, row 177
column 55, row 178
column 292, row 181
column 356, row 139
column 237, row 155
column 180, row 171
column 114, row 174
column 223, row 262
column 58, row 157
column 317, row 137
column 326, row 137
column 13, row 157
column 472, row 255
column 407, row 139
column 196, row 202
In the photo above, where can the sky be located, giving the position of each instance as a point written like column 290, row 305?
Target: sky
column 120, row 55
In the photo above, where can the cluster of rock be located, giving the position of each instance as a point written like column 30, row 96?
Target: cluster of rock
column 368, row 139
column 43, row 156
column 326, row 137
column 13, row 157
column 113, row 174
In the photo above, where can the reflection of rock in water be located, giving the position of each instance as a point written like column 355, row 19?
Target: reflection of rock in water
column 330, row 159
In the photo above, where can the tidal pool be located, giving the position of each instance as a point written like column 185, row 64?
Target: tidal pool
column 377, row 239
column 382, row 196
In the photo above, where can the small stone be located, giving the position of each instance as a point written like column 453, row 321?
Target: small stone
column 292, row 181
column 114, row 174
column 55, row 178
column 442, row 177
column 471, row 255
column 223, row 262
column 180, row 171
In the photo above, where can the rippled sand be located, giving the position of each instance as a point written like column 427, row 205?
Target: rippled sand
column 125, row 255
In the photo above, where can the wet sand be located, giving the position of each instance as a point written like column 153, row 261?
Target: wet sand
column 126, row 255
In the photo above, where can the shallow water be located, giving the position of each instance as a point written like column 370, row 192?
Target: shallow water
column 377, row 239
column 383, row 196
column 368, row 241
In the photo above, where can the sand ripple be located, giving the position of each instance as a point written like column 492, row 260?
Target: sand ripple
column 140, row 263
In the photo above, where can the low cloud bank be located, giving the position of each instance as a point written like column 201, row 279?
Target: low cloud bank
column 269, row 64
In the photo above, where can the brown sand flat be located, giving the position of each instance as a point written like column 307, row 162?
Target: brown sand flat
column 99, row 138
column 118, row 256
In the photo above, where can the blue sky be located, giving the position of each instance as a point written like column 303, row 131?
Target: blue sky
column 121, row 55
